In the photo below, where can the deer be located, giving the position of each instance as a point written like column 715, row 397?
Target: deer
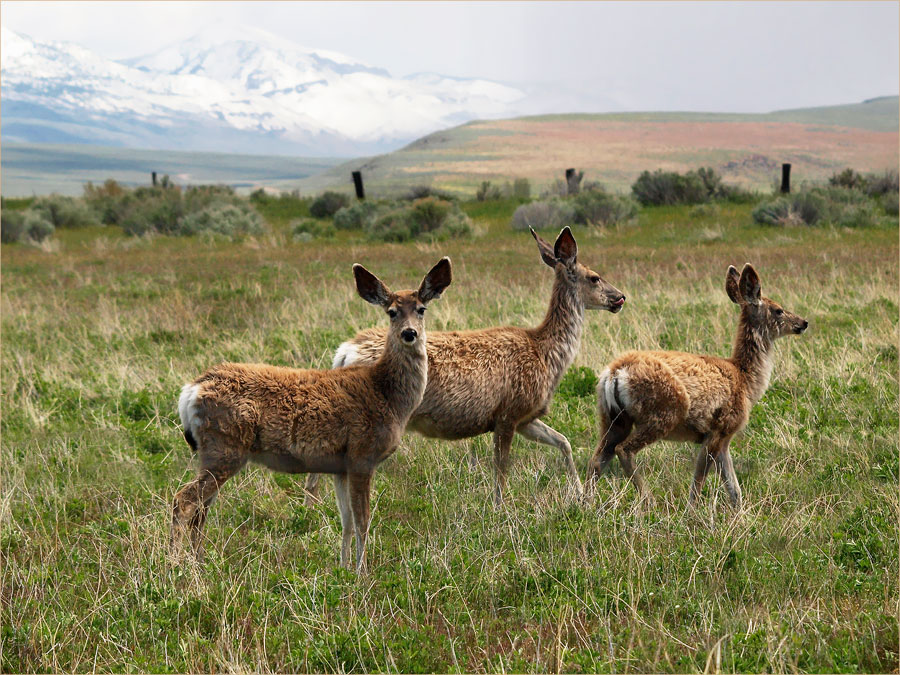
column 501, row 380
column 343, row 422
column 646, row 396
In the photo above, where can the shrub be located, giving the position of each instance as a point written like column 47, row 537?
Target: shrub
column 521, row 188
column 842, row 206
column 357, row 216
column 811, row 207
column 775, row 212
column 857, row 215
column 889, row 203
column 848, row 178
column 106, row 200
column 24, row 225
column 12, row 225
column 598, row 207
column 328, row 203
column 457, row 225
column 487, row 192
column 37, row 226
column 390, row 226
column 153, row 209
column 886, row 183
column 233, row 220
column 557, row 188
column 554, row 213
column 65, row 211
column 422, row 191
column 872, row 184
column 198, row 197
column 306, row 229
column 428, row 214
column 435, row 217
column 661, row 187
column 694, row 187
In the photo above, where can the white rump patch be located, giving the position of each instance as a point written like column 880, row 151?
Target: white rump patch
column 187, row 407
column 346, row 355
column 608, row 386
column 602, row 397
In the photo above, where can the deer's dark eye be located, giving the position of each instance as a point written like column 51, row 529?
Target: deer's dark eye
column 392, row 313
column 421, row 311
column 779, row 312
column 595, row 280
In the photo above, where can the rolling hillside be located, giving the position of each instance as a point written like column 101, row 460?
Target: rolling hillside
column 614, row 148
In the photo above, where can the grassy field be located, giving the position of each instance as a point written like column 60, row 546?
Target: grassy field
column 100, row 332
column 747, row 149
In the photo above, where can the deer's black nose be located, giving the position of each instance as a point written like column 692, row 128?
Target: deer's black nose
column 409, row 334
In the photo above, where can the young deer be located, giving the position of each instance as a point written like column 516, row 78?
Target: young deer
column 647, row 396
column 343, row 422
column 502, row 379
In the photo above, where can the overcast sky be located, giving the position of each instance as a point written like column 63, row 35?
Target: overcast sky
column 587, row 56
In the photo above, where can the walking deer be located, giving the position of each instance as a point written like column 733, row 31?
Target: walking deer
column 344, row 422
column 647, row 396
column 501, row 380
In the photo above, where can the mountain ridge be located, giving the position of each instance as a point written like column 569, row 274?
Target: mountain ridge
column 242, row 90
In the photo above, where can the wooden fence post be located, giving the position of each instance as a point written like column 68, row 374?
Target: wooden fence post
column 786, row 178
column 573, row 181
column 358, row 184
column 153, row 178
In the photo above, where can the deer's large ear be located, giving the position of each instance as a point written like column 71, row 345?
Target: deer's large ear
column 545, row 249
column 370, row 287
column 749, row 285
column 565, row 249
column 436, row 281
column 732, row 281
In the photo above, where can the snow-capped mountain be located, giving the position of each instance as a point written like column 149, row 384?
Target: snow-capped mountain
column 229, row 89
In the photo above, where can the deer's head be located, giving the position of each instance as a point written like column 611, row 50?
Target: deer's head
column 765, row 317
column 594, row 291
column 406, row 309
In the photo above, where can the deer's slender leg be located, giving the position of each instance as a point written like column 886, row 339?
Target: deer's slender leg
column 220, row 458
column 191, row 503
column 503, row 435
column 359, row 487
column 342, row 496
column 643, row 435
column 537, row 431
column 612, row 432
column 312, row 488
column 701, row 468
column 725, row 469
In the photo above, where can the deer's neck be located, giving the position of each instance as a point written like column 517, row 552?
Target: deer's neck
column 401, row 374
column 754, row 355
column 559, row 335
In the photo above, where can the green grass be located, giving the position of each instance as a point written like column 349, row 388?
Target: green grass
column 100, row 332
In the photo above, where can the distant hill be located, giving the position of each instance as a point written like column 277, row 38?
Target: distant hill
column 612, row 148
column 748, row 149
column 27, row 169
